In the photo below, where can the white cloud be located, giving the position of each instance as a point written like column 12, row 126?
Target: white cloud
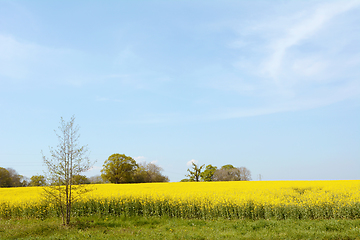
column 189, row 163
column 140, row 158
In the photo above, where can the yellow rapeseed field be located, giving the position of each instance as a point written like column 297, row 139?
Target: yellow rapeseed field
column 206, row 200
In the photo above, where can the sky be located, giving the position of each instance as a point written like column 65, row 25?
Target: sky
column 273, row 86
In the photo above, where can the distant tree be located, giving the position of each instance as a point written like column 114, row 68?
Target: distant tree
column 154, row 173
column 10, row 178
column 25, row 181
column 185, row 180
column 140, row 174
column 208, row 173
column 80, row 179
column 15, row 178
column 38, row 180
column 227, row 167
column 5, row 179
column 194, row 173
column 119, row 168
column 244, row 173
column 96, row 179
column 67, row 161
column 232, row 174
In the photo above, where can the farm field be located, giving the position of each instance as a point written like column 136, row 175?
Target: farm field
column 190, row 210
column 252, row 200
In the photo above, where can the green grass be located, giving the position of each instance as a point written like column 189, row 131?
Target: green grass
column 112, row 227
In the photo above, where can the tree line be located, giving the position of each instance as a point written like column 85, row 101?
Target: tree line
column 118, row 168
column 211, row 173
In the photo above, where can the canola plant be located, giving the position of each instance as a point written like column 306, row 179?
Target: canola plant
column 203, row 200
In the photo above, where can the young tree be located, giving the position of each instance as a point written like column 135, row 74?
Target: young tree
column 119, row 168
column 66, row 161
column 194, row 174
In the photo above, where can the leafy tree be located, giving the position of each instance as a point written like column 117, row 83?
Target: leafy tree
column 38, row 180
column 194, row 173
column 140, row 174
column 208, row 173
column 67, row 161
column 185, row 180
column 227, row 167
column 80, row 179
column 10, row 178
column 119, row 168
column 5, row 179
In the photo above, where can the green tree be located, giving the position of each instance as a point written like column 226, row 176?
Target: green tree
column 208, row 173
column 5, row 179
column 140, row 174
column 227, row 167
column 67, row 161
column 38, row 180
column 119, row 168
column 185, row 180
column 10, row 178
column 194, row 173
column 80, row 179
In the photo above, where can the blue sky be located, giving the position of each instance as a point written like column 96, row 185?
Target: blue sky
column 273, row 86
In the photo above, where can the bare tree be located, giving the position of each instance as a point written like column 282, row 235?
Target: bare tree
column 67, row 161
column 244, row 174
column 153, row 173
column 149, row 172
column 232, row 174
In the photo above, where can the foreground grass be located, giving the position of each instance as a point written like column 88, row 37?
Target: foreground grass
column 173, row 228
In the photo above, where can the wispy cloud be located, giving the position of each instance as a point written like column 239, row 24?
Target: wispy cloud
column 24, row 61
column 300, row 60
column 303, row 29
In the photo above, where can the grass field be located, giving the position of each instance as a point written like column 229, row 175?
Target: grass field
column 174, row 228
